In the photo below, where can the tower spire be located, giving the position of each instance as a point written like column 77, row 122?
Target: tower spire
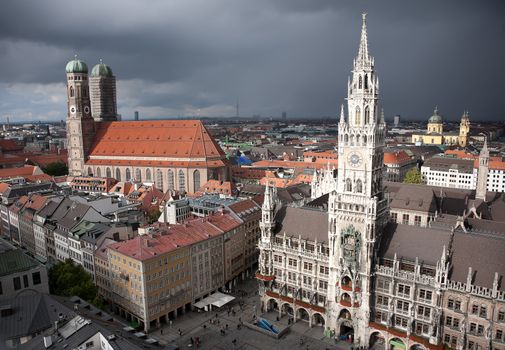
column 363, row 44
column 342, row 115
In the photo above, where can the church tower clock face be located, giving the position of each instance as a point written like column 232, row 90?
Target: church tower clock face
column 355, row 159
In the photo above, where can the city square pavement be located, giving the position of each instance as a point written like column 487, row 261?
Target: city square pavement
column 209, row 329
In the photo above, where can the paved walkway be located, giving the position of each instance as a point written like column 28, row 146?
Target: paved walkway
column 222, row 332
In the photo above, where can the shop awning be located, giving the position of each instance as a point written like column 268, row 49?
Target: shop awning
column 217, row 299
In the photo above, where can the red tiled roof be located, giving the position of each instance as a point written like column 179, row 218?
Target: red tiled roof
column 11, row 159
column 156, row 138
column 10, row 145
column 176, row 236
column 216, row 186
column 493, row 164
column 13, row 172
column 396, row 157
column 19, row 204
column 461, row 154
column 38, row 177
column 243, row 206
column 46, row 159
column 3, row 186
column 148, row 163
column 288, row 164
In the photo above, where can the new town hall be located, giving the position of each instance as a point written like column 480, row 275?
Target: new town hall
column 346, row 263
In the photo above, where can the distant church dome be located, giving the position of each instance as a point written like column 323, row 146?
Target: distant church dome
column 76, row 66
column 435, row 118
column 101, row 69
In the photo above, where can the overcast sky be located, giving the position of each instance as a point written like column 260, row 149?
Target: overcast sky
column 190, row 57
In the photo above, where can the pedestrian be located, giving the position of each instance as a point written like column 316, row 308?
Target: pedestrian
column 192, row 341
column 226, row 326
column 161, row 331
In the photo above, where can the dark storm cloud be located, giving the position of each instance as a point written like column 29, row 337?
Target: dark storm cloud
column 190, row 57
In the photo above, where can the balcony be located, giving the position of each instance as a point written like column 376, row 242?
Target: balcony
column 347, row 303
column 348, row 287
column 265, row 278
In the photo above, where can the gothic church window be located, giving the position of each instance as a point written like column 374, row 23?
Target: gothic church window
column 108, row 173
column 159, row 179
column 182, row 181
column 358, row 116
column 90, row 171
column 118, row 174
column 196, row 180
column 359, row 186
column 148, row 174
column 366, row 81
column 367, row 115
column 98, row 172
column 360, row 82
column 348, row 185
column 171, row 182
column 128, row 174
column 138, row 174
column 71, row 91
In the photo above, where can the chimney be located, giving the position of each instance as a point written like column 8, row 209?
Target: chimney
column 48, row 341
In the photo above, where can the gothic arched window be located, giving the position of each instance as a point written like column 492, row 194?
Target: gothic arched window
column 359, row 186
column 357, row 116
column 128, row 174
column 367, row 115
column 360, row 82
column 182, row 181
column 357, row 140
column 108, row 173
column 170, row 179
column 90, row 171
column 352, row 140
column 364, row 140
column 98, row 172
column 159, row 179
column 348, row 185
column 196, row 180
column 366, row 81
column 346, row 138
column 138, row 174
column 148, row 174
column 71, row 91
column 118, row 174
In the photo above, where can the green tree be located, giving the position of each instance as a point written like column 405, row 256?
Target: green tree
column 56, row 169
column 68, row 279
column 413, row 176
column 153, row 216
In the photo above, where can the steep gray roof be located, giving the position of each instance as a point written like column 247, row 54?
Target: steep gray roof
column 311, row 224
column 33, row 312
column 485, row 254
column 411, row 242
column 444, row 164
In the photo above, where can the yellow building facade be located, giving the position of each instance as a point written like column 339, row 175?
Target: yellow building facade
column 435, row 132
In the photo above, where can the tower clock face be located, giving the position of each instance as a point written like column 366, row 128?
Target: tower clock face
column 72, row 109
column 355, row 159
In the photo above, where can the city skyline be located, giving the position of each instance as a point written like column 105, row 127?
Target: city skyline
column 266, row 57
